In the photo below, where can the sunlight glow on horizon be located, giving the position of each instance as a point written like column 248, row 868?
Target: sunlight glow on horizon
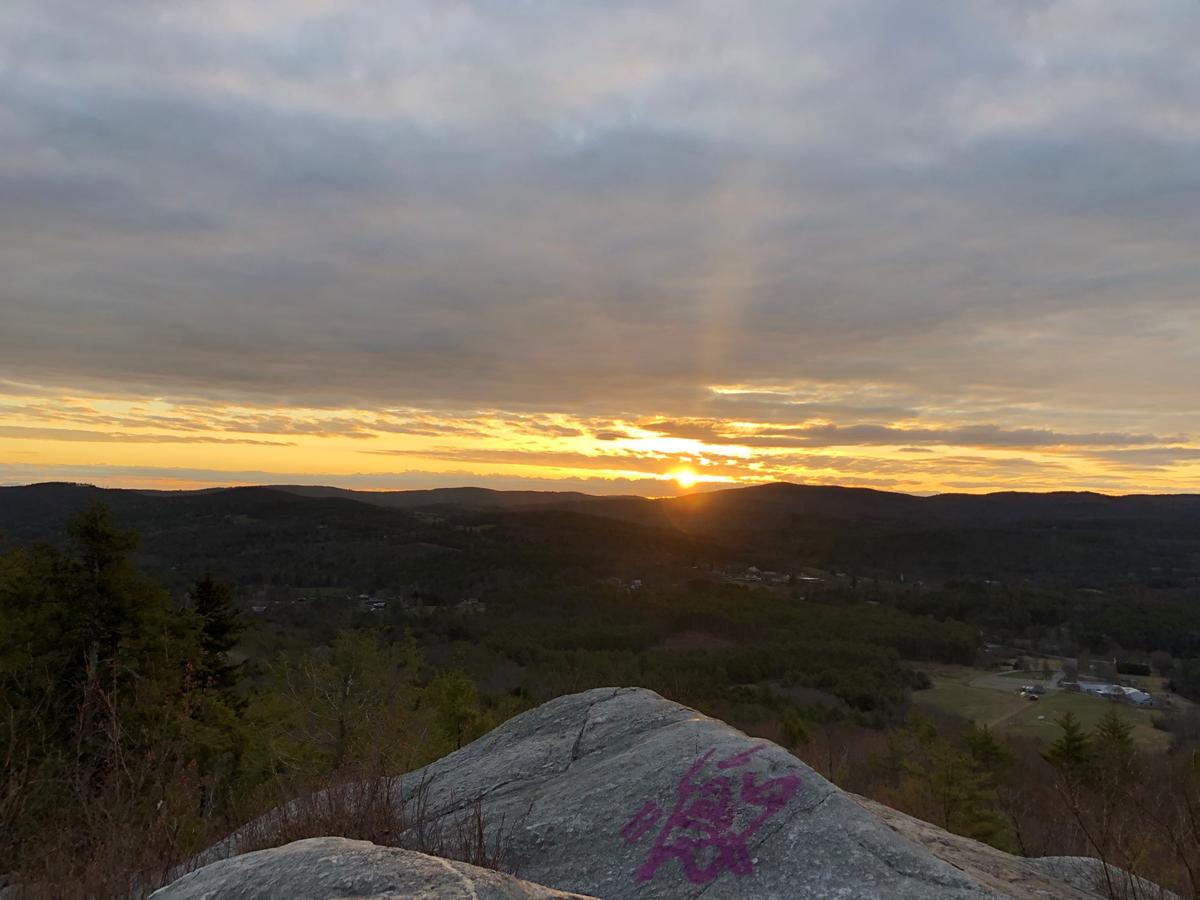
column 124, row 440
column 685, row 478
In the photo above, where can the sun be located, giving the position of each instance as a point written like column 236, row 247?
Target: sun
column 685, row 478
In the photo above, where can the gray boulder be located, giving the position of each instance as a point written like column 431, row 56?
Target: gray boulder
column 337, row 867
column 618, row 793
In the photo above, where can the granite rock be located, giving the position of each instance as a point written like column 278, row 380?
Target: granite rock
column 618, row 793
column 336, row 867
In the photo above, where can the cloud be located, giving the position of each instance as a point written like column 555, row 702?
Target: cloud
column 630, row 461
column 79, row 434
column 713, row 432
column 971, row 219
column 1149, row 458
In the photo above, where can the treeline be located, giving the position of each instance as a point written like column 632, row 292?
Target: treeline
column 701, row 644
column 1143, row 631
column 131, row 736
column 1085, row 794
column 1135, row 620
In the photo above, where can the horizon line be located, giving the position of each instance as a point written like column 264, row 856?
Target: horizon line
column 697, row 489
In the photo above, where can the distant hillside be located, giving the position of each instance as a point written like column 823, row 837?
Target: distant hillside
column 271, row 538
column 1080, row 539
column 477, row 497
column 1086, row 539
column 765, row 504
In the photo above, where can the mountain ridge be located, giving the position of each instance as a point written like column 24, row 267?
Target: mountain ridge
column 1090, row 540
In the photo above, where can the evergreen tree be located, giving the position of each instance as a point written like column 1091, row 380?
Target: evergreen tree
column 939, row 782
column 1071, row 753
column 221, row 627
column 83, row 628
column 455, row 701
column 99, row 693
column 1114, row 751
column 107, row 605
column 989, row 753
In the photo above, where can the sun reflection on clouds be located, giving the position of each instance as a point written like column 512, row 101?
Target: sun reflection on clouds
column 77, row 432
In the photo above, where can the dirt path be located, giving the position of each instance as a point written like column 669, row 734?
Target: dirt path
column 1010, row 686
column 1004, row 682
column 1018, row 705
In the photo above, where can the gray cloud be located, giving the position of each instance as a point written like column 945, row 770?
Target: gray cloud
column 886, row 435
column 1149, row 458
column 90, row 436
column 906, row 209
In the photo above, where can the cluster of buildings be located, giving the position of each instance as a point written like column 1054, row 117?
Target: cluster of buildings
column 1119, row 692
column 416, row 607
column 755, row 575
column 376, row 604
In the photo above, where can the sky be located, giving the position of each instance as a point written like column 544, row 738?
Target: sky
column 604, row 245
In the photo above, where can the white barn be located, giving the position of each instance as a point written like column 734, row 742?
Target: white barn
column 1118, row 692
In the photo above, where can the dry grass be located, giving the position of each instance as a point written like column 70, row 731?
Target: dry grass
column 109, row 849
column 364, row 806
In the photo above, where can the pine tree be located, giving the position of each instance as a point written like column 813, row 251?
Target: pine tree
column 104, row 601
column 938, row 781
column 1115, row 754
column 989, row 754
column 221, row 628
column 97, row 674
column 1113, row 776
column 1071, row 753
column 455, row 700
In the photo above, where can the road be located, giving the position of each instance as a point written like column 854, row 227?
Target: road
column 1005, row 682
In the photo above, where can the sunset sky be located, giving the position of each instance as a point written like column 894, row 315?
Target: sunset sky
column 908, row 244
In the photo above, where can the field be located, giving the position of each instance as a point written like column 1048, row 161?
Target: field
column 1035, row 675
column 952, row 692
column 984, row 697
column 1037, row 719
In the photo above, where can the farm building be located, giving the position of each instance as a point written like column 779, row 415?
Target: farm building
column 1118, row 692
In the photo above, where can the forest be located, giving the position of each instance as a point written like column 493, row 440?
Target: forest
column 155, row 697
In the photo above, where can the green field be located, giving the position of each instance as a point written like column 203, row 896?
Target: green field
column 1037, row 719
column 1005, row 711
column 1025, row 675
column 983, row 706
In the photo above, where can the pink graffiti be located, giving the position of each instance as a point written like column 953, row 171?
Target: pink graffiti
column 641, row 823
column 702, row 831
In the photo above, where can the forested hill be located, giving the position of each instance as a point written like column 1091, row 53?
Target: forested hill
column 1077, row 539
column 815, row 617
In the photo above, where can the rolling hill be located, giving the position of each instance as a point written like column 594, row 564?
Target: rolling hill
column 1086, row 540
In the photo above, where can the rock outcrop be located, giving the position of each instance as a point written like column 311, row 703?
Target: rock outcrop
column 617, row 793
column 337, row 867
